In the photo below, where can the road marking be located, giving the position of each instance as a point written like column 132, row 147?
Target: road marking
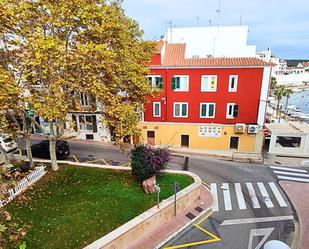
column 277, row 194
column 256, row 220
column 265, row 195
column 227, row 196
column 293, row 178
column 289, row 169
column 213, row 189
column 259, row 232
column 240, row 196
column 214, row 238
column 254, row 199
column 290, row 173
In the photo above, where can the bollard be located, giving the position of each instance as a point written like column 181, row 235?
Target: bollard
column 186, row 163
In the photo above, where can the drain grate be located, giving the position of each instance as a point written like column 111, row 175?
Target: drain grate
column 199, row 209
column 190, row 216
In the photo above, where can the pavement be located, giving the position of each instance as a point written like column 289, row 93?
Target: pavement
column 181, row 221
column 298, row 193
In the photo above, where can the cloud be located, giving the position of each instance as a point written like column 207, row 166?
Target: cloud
column 282, row 24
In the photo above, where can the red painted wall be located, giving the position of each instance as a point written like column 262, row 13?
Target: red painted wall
column 156, row 59
column 247, row 95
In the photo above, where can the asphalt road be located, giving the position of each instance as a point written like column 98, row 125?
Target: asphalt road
column 240, row 222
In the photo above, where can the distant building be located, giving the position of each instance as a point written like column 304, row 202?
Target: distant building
column 304, row 64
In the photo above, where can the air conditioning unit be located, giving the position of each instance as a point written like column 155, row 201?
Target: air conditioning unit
column 253, row 129
column 240, row 128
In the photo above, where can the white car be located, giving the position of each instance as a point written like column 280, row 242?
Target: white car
column 8, row 143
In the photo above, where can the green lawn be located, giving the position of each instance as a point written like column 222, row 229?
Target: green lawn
column 77, row 205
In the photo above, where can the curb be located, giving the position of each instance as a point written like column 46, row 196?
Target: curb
column 186, row 225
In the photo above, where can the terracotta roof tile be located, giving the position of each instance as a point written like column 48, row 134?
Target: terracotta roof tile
column 175, row 57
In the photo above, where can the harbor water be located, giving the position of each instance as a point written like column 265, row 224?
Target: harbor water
column 300, row 99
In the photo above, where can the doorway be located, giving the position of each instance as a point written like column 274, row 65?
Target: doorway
column 234, row 142
column 151, row 138
column 184, row 140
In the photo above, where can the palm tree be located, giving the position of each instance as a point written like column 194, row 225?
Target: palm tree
column 287, row 94
column 279, row 92
column 273, row 83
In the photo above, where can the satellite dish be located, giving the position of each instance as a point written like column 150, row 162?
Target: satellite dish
column 276, row 244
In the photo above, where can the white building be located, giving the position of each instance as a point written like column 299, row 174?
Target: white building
column 212, row 41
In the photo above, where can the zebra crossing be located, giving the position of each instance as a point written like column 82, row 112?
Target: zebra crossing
column 290, row 174
column 231, row 196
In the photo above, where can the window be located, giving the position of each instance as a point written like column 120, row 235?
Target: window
column 290, row 142
column 180, row 110
column 233, row 83
column 155, row 81
column 209, row 83
column 156, row 109
column 85, row 122
column 231, row 110
column 207, row 110
column 84, row 99
column 180, row 83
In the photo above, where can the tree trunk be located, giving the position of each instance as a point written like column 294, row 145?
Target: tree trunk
column 286, row 107
column 52, row 148
column 28, row 149
column 278, row 104
column 5, row 156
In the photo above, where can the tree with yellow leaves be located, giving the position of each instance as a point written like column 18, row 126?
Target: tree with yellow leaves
column 67, row 47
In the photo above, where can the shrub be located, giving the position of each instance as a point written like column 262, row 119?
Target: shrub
column 147, row 161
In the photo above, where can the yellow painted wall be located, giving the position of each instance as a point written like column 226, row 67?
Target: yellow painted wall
column 170, row 134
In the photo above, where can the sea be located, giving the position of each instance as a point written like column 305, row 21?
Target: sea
column 300, row 100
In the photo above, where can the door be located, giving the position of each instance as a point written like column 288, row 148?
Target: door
column 184, row 140
column 234, row 141
column 151, row 138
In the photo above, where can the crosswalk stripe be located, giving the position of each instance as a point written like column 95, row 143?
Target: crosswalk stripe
column 254, row 199
column 289, row 169
column 213, row 189
column 240, row 196
column 297, row 179
column 277, row 194
column 290, row 173
column 265, row 195
column 227, row 196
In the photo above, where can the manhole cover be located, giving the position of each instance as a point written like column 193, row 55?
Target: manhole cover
column 199, row 209
column 190, row 216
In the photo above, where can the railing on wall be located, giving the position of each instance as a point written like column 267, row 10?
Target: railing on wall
column 23, row 184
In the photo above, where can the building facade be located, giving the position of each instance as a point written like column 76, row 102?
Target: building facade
column 206, row 103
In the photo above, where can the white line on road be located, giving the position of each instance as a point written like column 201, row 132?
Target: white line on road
column 227, row 196
column 293, row 178
column 277, row 194
column 240, row 196
column 256, row 220
column 265, row 195
column 278, row 172
column 289, row 169
column 213, row 189
column 254, row 199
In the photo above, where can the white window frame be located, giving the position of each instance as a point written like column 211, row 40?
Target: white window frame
column 180, row 109
column 153, row 82
column 228, row 116
column 207, row 109
column 235, row 84
column 181, row 82
column 83, row 126
column 84, row 99
column 206, row 86
column 154, row 109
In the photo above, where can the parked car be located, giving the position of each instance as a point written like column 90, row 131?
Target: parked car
column 41, row 149
column 8, row 143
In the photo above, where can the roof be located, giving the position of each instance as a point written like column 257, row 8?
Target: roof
column 305, row 64
column 293, row 127
column 175, row 57
column 159, row 46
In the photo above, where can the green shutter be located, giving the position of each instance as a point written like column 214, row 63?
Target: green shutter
column 211, row 110
column 161, row 83
column 235, row 114
column 173, row 83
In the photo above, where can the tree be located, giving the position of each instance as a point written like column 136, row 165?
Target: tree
column 273, row 83
column 287, row 94
column 279, row 92
column 67, row 47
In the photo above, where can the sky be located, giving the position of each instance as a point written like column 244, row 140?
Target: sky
column 283, row 24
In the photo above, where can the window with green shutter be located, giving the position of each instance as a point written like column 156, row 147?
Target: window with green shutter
column 207, row 110
column 155, row 81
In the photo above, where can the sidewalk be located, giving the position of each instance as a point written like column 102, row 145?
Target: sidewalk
column 180, row 221
column 271, row 159
column 298, row 194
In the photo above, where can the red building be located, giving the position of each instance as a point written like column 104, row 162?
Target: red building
column 206, row 103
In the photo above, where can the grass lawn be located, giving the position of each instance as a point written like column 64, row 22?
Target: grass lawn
column 77, row 205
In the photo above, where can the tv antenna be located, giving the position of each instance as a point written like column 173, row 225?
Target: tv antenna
column 197, row 21
column 219, row 13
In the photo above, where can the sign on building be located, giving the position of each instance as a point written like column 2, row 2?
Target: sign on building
column 210, row 130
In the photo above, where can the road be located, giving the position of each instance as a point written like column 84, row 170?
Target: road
column 251, row 208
